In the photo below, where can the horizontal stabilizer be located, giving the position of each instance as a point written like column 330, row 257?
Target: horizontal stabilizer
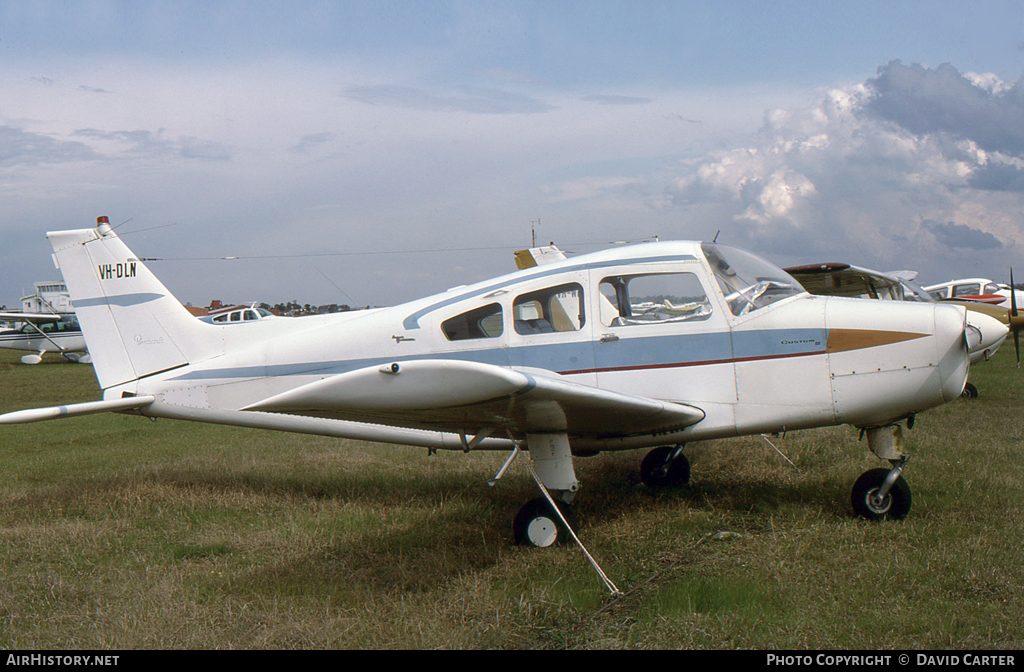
column 456, row 396
column 71, row 410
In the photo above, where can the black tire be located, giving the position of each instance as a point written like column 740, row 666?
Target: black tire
column 896, row 504
column 657, row 472
column 970, row 392
column 536, row 524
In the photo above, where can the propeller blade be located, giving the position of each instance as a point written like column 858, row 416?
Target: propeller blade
column 1013, row 296
column 1013, row 314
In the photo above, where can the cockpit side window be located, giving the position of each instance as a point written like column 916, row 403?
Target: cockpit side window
column 482, row 322
column 652, row 299
column 553, row 309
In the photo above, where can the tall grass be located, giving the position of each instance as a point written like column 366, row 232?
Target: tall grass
column 119, row 532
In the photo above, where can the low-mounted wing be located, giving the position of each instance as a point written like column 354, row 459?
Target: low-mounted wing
column 460, row 396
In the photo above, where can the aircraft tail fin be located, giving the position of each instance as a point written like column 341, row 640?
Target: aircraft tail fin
column 132, row 324
column 538, row 256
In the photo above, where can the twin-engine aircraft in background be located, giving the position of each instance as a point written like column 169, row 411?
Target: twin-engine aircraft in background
column 646, row 346
column 40, row 333
column 981, row 290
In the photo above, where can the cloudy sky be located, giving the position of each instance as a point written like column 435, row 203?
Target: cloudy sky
column 371, row 152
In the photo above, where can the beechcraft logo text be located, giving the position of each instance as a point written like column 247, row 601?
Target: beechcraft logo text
column 111, row 271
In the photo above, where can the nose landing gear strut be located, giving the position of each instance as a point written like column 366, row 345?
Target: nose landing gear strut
column 883, row 494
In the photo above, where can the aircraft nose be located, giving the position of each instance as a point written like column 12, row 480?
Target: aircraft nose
column 952, row 340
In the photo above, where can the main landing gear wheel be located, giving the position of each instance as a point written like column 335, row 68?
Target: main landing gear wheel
column 665, row 467
column 538, row 526
column 970, row 392
column 895, row 505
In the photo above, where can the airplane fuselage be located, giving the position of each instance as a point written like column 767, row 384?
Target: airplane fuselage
column 800, row 361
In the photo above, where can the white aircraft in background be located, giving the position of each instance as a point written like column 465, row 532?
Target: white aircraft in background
column 45, row 332
column 237, row 314
column 993, row 323
column 981, row 290
column 551, row 359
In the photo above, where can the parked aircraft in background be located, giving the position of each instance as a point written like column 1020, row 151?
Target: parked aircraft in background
column 557, row 359
column 838, row 279
column 976, row 289
column 237, row 314
column 40, row 333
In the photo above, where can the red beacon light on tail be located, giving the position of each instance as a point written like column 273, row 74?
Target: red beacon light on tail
column 103, row 225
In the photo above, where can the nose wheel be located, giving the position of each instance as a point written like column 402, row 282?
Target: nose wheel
column 882, row 494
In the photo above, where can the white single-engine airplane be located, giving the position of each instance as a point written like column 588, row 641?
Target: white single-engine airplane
column 45, row 332
column 552, row 358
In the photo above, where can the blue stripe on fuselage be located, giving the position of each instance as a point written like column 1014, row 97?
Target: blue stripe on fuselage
column 578, row 356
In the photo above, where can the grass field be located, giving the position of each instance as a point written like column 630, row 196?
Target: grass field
column 122, row 533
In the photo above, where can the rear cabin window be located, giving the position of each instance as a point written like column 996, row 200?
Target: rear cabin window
column 653, row 299
column 483, row 322
column 549, row 310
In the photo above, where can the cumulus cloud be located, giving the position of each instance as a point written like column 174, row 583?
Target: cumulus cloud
column 914, row 166
column 978, row 108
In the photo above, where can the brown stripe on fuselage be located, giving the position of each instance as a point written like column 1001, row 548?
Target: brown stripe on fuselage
column 842, row 340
